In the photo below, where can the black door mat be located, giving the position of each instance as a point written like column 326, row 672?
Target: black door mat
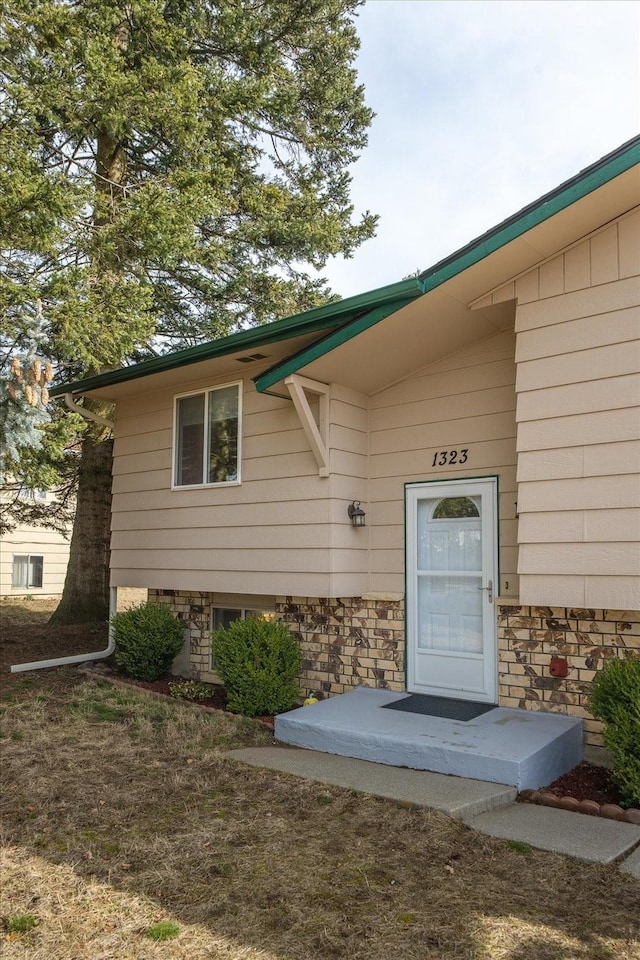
column 443, row 707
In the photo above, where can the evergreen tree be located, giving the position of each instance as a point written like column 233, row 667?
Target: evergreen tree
column 169, row 172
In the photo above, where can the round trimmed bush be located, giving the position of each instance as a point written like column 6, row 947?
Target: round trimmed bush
column 147, row 638
column 615, row 699
column 258, row 662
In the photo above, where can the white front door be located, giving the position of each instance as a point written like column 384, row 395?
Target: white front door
column 451, row 583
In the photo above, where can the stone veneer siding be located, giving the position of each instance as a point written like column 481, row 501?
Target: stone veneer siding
column 529, row 636
column 344, row 642
column 360, row 642
column 347, row 643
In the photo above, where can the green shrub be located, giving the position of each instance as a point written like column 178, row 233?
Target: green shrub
column 258, row 662
column 615, row 699
column 147, row 638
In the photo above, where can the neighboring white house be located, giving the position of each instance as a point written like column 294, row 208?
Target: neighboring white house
column 33, row 560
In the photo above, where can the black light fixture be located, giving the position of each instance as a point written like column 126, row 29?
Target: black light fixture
column 356, row 515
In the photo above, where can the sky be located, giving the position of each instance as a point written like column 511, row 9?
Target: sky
column 481, row 108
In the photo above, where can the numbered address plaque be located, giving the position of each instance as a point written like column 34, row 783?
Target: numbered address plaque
column 450, row 458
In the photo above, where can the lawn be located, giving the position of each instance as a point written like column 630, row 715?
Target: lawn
column 127, row 833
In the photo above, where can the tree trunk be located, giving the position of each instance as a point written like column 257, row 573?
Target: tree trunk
column 86, row 587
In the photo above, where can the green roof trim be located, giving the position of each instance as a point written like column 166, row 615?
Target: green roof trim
column 345, row 319
column 588, row 180
column 333, row 339
column 318, row 320
column 584, row 183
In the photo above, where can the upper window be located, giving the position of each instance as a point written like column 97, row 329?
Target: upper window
column 27, row 572
column 207, row 437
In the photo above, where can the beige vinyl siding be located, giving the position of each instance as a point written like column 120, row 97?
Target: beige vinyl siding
column 348, row 460
column 466, row 400
column 34, row 541
column 578, row 413
column 278, row 532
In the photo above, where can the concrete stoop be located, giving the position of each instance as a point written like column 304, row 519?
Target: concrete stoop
column 520, row 748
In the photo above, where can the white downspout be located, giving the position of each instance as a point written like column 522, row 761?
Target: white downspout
column 113, row 591
column 79, row 657
column 87, row 414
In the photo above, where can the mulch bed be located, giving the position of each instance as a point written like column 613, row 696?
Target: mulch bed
column 587, row 782
column 217, row 700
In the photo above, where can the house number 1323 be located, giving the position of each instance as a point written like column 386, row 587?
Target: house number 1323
column 443, row 457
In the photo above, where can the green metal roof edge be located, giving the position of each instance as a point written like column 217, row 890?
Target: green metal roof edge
column 355, row 314
column 588, row 180
column 318, row 319
column 332, row 340
column 568, row 192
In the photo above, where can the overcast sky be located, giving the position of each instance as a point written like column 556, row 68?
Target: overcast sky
column 481, row 107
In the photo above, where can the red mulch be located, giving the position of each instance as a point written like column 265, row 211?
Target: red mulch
column 587, row 782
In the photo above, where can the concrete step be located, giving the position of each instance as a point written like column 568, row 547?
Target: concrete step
column 520, row 748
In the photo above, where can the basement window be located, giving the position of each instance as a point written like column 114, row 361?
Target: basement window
column 222, row 617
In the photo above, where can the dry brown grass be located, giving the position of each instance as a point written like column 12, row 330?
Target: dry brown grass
column 120, row 811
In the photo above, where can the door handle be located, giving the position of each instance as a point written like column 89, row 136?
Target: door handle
column 489, row 588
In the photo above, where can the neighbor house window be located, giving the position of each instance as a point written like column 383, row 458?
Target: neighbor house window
column 221, row 617
column 27, row 572
column 207, row 437
column 27, row 493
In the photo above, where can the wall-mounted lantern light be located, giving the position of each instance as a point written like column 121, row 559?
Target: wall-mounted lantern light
column 356, row 515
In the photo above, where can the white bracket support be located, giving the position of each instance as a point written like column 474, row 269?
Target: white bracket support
column 316, row 433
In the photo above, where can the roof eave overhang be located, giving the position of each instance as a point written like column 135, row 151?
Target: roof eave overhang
column 292, row 364
column 337, row 323
column 486, row 261
column 483, row 251
column 320, row 320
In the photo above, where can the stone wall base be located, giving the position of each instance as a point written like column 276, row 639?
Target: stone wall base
column 347, row 643
column 528, row 637
column 359, row 641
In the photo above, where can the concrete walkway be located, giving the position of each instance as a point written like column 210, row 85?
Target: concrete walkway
column 487, row 807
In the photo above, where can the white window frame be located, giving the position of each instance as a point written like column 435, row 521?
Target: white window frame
column 205, row 391
column 29, row 557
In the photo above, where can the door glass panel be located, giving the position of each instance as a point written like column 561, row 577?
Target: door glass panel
column 454, row 544
column 450, row 614
column 455, row 507
column 449, row 575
